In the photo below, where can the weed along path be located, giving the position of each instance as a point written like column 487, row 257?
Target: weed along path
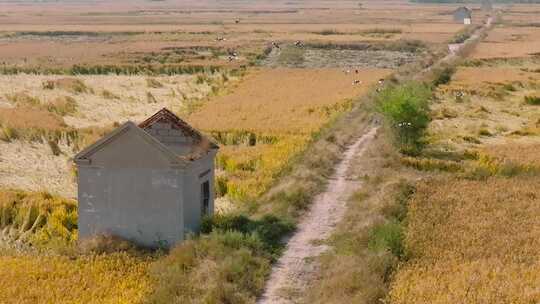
column 295, row 269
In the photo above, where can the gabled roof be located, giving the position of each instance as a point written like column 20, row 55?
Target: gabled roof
column 203, row 144
column 166, row 116
column 462, row 8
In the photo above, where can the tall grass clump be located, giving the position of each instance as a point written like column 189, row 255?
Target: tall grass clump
column 443, row 76
column 406, row 108
column 235, row 268
column 532, row 100
column 38, row 218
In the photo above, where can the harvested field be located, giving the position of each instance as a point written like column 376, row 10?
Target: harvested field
column 284, row 100
column 509, row 42
column 40, row 111
column 26, row 117
column 33, row 166
column 465, row 76
column 102, row 100
column 491, row 110
column 320, row 58
column 129, row 32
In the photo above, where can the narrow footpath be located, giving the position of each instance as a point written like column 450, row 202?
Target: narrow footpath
column 295, row 269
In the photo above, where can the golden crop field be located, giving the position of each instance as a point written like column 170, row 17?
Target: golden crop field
column 285, row 100
column 113, row 278
column 286, row 104
column 472, row 241
column 472, row 232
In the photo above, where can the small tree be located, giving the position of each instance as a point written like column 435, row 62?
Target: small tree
column 406, row 108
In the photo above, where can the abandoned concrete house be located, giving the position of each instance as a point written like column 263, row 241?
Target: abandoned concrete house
column 149, row 183
column 463, row 15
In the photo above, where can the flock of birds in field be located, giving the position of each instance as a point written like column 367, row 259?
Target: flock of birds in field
column 233, row 55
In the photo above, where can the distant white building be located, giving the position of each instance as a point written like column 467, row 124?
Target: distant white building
column 463, row 15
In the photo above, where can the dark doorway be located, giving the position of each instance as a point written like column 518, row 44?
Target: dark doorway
column 205, row 198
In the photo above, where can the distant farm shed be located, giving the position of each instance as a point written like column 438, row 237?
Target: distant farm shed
column 463, row 15
column 149, row 183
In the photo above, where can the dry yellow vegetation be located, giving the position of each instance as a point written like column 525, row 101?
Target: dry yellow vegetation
column 285, row 100
column 270, row 117
column 113, row 278
column 472, row 242
column 473, row 232
column 101, row 100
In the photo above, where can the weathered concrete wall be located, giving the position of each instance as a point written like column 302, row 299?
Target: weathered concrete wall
column 142, row 205
column 128, row 189
column 202, row 170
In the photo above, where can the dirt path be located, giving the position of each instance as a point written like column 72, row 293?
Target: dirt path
column 454, row 48
column 296, row 266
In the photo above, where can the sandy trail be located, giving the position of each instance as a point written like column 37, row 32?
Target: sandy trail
column 295, row 269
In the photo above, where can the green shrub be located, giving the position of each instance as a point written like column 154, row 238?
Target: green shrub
column 444, row 76
column 269, row 229
column 406, row 108
column 388, row 237
column 532, row 100
column 294, row 200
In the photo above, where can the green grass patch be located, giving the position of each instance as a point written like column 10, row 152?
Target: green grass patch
column 406, row 108
column 532, row 100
